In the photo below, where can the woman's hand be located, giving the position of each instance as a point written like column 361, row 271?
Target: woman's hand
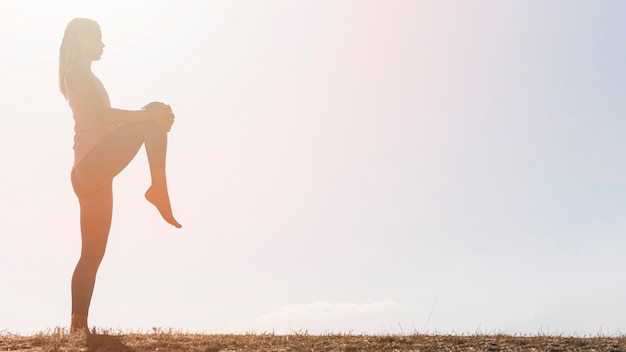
column 161, row 114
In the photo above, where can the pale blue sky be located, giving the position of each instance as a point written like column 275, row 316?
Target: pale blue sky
column 345, row 166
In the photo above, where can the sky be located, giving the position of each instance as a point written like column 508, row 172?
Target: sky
column 351, row 166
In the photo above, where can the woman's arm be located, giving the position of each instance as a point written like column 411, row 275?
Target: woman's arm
column 80, row 82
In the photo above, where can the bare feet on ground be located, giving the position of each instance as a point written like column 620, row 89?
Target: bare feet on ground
column 161, row 200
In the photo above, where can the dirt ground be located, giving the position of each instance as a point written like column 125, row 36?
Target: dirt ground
column 159, row 341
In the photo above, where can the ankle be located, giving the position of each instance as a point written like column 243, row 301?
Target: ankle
column 156, row 189
column 79, row 323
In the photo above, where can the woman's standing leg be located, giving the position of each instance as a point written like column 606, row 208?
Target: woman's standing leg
column 92, row 182
column 95, row 222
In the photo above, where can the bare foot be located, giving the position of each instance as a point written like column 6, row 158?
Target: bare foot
column 161, row 200
column 79, row 325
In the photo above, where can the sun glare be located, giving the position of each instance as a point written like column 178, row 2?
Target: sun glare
column 123, row 20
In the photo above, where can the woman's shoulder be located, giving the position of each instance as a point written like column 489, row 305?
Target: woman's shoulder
column 77, row 72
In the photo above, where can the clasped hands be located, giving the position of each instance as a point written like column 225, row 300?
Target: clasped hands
column 161, row 114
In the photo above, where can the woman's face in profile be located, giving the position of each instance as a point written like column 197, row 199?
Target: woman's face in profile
column 91, row 44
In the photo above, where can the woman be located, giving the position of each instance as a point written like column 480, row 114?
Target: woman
column 105, row 141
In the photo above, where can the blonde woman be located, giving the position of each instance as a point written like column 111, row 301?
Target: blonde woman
column 105, row 141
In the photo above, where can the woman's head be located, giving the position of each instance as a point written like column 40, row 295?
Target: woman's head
column 82, row 41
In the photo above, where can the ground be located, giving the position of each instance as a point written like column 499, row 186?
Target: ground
column 162, row 341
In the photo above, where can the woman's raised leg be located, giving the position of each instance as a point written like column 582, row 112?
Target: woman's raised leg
column 156, row 146
column 114, row 152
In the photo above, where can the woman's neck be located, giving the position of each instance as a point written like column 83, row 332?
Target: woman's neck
column 84, row 63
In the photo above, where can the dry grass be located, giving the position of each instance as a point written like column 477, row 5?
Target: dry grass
column 160, row 340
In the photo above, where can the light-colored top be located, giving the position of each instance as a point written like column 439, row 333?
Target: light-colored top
column 88, row 129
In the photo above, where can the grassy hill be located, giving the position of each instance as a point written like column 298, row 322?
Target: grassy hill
column 60, row 341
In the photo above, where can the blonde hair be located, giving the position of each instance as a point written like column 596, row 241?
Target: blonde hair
column 70, row 46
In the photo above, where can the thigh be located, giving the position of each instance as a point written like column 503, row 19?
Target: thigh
column 108, row 158
column 96, row 210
